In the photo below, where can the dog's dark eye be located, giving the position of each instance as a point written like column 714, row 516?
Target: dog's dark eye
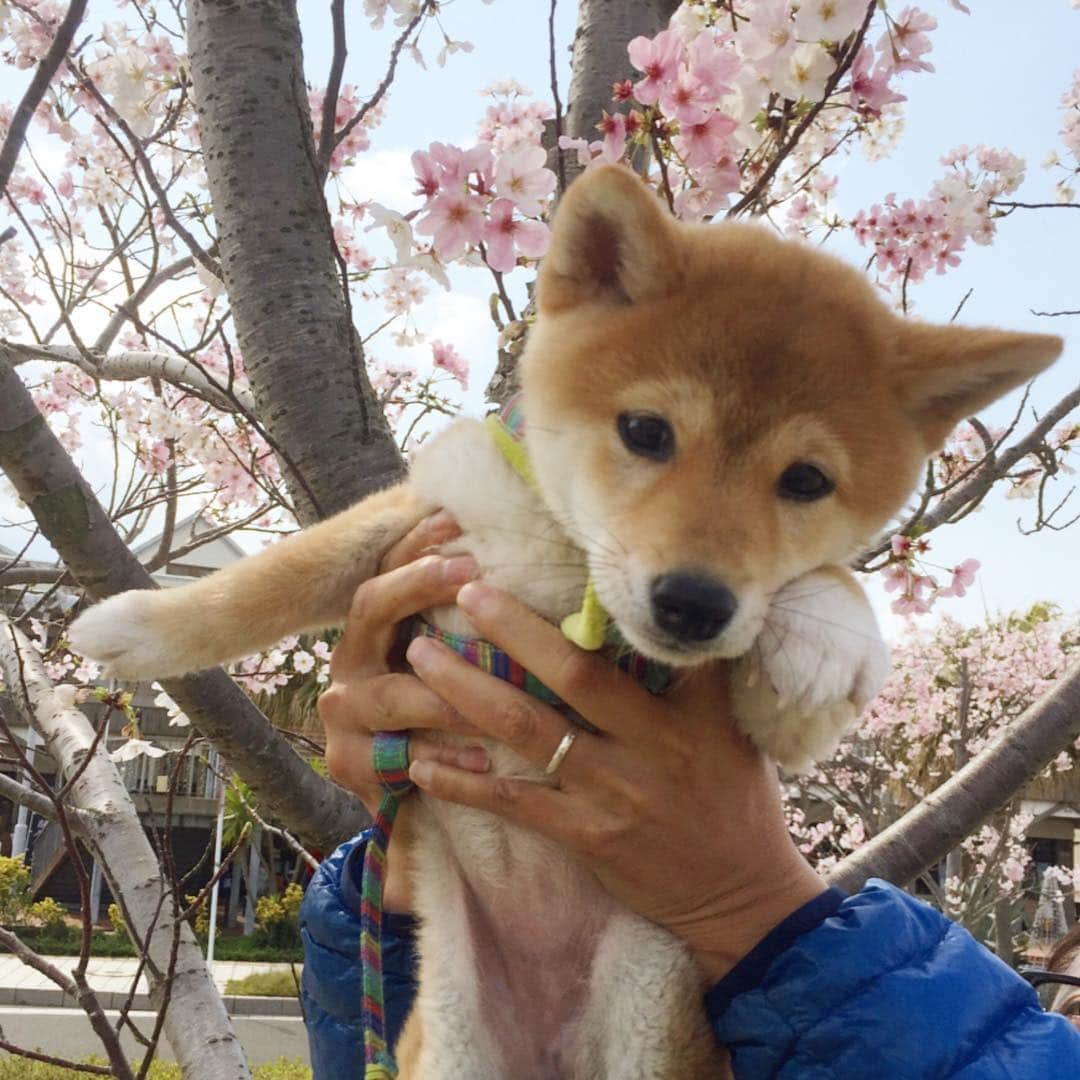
column 647, row 435
column 803, row 482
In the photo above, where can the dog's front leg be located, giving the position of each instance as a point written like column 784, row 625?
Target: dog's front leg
column 645, row 1019
column 817, row 662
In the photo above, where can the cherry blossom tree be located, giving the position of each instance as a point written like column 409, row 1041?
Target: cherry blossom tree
column 191, row 292
column 952, row 694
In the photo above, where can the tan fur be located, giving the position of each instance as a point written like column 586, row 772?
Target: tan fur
column 305, row 582
column 761, row 353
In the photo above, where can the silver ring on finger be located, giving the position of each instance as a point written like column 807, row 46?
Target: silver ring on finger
column 560, row 753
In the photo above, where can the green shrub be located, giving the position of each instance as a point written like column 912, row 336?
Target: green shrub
column 116, row 919
column 201, row 914
column 50, row 916
column 278, row 917
column 14, row 889
column 264, row 984
column 16, row 1068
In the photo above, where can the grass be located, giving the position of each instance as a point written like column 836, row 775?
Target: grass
column 263, row 984
column 16, row 1068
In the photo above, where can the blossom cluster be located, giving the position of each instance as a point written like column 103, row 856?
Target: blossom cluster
column 907, row 574
column 720, row 87
column 475, row 199
column 912, row 238
column 1070, row 136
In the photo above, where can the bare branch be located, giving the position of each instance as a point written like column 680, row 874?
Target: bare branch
column 426, row 7
column 46, row 69
column 975, row 489
column 333, row 84
column 129, row 308
column 560, row 161
column 22, row 795
column 130, row 366
column 927, row 833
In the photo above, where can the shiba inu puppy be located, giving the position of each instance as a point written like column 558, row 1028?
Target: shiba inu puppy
column 717, row 420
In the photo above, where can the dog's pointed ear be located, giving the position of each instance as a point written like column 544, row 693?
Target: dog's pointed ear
column 612, row 241
column 948, row 373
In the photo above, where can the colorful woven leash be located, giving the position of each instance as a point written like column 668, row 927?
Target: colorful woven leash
column 653, row 675
column 390, row 756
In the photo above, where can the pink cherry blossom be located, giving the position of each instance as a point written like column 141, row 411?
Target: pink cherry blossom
column 455, row 221
column 963, row 578
column 658, row 59
column 870, row 90
column 503, row 233
column 613, row 126
column 769, row 40
column 444, row 356
column 706, row 143
column 713, row 63
column 522, row 177
column 828, row 20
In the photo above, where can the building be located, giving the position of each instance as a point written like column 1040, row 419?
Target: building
column 192, row 816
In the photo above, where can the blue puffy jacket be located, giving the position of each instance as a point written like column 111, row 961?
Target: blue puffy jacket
column 875, row 985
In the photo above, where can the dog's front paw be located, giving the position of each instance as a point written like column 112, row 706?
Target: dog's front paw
column 817, row 662
column 127, row 634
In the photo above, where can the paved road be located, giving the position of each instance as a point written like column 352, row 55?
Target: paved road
column 66, row 1032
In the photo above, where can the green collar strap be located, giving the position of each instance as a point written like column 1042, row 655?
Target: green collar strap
column 589, row 627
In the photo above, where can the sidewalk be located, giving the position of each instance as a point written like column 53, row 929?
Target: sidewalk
column 111, row 977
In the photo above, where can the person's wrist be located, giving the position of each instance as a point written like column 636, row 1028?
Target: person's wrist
column 720, row 938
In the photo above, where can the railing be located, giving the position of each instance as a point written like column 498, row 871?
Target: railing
column 47, row 853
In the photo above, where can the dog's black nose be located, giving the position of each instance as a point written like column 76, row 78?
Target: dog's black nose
column 692, row 607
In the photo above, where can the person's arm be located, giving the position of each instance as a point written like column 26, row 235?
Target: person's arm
column 881, row 985
column 330, row 983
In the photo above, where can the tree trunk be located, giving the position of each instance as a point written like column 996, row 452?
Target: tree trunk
column 196, row 1023
column 604, row 29
column 293, row 322
column 926, row 833
column 74, row 522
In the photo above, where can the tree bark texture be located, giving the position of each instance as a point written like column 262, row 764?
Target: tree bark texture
column 196, row 1023
column 929, row 831
column 604, row 29
column 75, row 523
column 302, row 354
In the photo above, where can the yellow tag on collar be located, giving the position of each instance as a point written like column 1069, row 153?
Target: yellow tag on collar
column 586, row 628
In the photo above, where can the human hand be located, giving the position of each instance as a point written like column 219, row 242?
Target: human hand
column 365, row 693
column 676, row 813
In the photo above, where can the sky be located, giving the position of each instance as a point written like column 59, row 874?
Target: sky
column 1000, row 74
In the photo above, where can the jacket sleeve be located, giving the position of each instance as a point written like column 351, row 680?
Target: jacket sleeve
column 879, row 985
column 330, row 985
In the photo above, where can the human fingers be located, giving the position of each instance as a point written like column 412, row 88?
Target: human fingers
column 554, row 813
column 532, row 729
column 607, row 697
column 434, row 530
column 349, row 762
column 390, row 702
column 382, row 602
